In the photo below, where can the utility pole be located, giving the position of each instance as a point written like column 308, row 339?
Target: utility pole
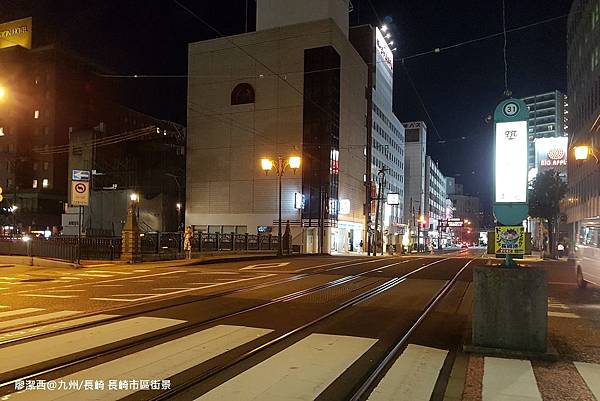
column 380, row 192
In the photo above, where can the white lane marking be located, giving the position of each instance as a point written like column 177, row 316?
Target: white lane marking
column 300, row 372
column 181, row 291
column 141, row 271
column 210, row 273
column 265, row 266
column 3, row 288
column 21, row 355
column 67, row 290
column 159, row 362
column 109, row 285
column 70, row 278
column 20, row 312
column 10, row 278
column 142, row 281
column 35, row 319
column 509, row 380
column 591, row 375
column 47, row 296
column 134, row 294
column 53, row 326
column 4, row 306
column 107, row 272
column 563, row 314
column 412, row 376
column 170, row 288
column 95, row 275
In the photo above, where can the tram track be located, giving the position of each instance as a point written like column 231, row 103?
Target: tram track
column 187, row 327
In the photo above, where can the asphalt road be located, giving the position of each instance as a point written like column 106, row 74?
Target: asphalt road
column 295, row 328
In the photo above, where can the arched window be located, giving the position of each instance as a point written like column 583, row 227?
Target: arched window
column 242, row 94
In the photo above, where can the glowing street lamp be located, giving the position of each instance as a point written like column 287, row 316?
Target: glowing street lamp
column 582, row 152
column 134, row 197
column 2, row 93
column 280, row 165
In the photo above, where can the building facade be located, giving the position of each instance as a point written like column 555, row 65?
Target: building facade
column 50, row 96
column 435, row 200
column 385, row 133
column 415, row 169
column 548, row 118
column 583, row 63
column 296, row 87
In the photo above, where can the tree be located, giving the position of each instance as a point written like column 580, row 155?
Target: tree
column 547, row 190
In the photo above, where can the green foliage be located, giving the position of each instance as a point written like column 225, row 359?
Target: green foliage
column 548, row 189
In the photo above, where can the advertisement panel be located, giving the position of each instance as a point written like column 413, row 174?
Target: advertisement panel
column 551, row 154
column 510, row 240
column 384, row 50
column 511, row 162
column 16, row 33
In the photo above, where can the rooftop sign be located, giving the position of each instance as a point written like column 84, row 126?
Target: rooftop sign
column 16, row 33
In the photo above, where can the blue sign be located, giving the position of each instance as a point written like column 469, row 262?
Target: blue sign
column 80, row 175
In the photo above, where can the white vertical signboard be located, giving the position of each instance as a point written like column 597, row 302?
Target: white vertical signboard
column 511, row 162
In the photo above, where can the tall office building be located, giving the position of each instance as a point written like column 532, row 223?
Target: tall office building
column 583, row 58
column 435, row 192
column 385, row 133
column 296, row 86
column 415, row 163
column 548, row 124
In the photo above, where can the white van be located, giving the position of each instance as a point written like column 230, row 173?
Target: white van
column 587, row 252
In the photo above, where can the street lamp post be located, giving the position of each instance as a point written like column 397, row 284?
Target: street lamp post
column 280, row 164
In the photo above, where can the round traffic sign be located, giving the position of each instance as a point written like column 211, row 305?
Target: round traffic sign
column 80, row 188
column 511, row 109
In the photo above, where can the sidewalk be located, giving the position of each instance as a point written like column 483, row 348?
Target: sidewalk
column 573, row 330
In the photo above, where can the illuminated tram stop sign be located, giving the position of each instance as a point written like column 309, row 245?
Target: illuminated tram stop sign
column 510, row 182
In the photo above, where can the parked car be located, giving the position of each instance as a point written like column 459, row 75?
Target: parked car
column 587, row 253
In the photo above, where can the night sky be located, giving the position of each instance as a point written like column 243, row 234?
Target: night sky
column 459, row 87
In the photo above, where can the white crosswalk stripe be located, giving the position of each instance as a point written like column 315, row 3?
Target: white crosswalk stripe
column 591, row 375
column 300, row 372
column 19, row 312
column 36, row 319
column 413, row 375
column 22, row 355
column 52, row 326
column 158, row 362
column 509, row 380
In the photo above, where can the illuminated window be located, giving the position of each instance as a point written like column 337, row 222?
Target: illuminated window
column 1, row 131
column 36, row 114
column 34, row 184
column 45, row 183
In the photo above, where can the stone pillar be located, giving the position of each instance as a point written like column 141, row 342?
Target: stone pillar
column 510, row 310
column 131, row 245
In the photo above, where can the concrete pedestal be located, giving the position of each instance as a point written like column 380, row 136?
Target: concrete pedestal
column 130, row 238
column 510, row 309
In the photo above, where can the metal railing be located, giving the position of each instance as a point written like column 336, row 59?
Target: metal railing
column 153, row 244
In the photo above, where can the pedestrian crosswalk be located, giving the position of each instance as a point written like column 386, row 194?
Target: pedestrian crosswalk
column 26, row 354
column 300, row 372
column 412, row 376
column 158, row 362
column 303, row 370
